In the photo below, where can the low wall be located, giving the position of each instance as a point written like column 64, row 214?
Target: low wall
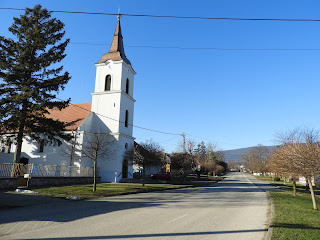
column 8, row 183
column 13, row 183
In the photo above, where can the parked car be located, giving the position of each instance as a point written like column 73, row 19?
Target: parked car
column 161, row 176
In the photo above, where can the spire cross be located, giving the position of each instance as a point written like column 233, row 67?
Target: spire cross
column 119, row 15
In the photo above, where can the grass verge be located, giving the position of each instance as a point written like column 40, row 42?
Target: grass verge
column 294, row 217
column 103, row 190
column 113, row 189
column 195, row 181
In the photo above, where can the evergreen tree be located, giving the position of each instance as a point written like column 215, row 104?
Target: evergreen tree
column 30, row 78
column 201, row 152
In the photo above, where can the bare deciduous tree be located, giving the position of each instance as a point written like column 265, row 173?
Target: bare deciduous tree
column 220, row 169
column 256, row 159
column 146, row 154
column 209, row 167
column 71, row 150
column 190, row 146
column 98, row 146
column 299, row 155
column 281, row 162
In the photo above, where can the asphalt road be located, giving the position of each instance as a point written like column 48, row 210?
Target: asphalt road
column 234, row 208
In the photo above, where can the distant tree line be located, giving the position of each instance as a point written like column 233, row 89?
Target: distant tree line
column 206, row 155
column 256, row 160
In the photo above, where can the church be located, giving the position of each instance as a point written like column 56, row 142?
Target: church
column 111, row 112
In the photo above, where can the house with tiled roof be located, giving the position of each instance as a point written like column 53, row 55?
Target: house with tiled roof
column 110, row 112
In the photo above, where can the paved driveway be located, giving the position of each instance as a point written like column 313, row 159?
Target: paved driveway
column 231, row 209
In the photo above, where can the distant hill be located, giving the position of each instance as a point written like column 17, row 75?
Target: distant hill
column 235, row 154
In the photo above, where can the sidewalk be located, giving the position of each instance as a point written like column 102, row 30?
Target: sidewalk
column 264, row 186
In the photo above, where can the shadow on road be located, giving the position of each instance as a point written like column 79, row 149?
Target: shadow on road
column 67, row 211
column 141, row 236
column 11, row 200
column 59, row 210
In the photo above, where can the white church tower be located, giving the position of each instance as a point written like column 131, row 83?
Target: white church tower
column 113, row 106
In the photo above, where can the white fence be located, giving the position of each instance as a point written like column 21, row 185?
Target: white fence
column 41, row 170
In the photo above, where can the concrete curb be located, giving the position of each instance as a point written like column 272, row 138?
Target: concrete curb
column 270, row 228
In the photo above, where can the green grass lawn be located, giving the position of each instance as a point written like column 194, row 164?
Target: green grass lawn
column 288, row 186
column 113, row 189
column 195, row 181
column 103, row 190
column 294, row 217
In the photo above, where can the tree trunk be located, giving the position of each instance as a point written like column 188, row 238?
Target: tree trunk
column 17, row 153
column 182, row 177
column 143, row 174
column 312, row 195
column 294, row 187
column 94, row 175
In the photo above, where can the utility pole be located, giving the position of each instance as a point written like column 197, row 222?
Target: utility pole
column 184, row 142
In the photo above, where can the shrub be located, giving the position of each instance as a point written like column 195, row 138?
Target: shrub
column 276, row 179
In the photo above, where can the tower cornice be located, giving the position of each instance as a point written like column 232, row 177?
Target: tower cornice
column 113, row 92
column 116, row 62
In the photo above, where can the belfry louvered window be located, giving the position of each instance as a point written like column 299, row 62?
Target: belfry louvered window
column 107, row 86
column 127, row 86
column 126, row 120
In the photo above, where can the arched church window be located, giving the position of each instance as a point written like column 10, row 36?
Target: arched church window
column 127, row 86
column 107, row 86
column 126, row 120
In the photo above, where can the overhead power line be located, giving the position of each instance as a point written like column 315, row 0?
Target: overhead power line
column 178, row 17
column 205, row 48
column 152, row 130
column 147, row 129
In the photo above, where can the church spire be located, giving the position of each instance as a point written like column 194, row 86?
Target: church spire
column 116, row 51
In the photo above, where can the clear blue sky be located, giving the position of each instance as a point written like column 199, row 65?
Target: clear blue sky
column 235, row 98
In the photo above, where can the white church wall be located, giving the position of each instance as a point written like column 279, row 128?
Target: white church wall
column 6, row 151
column 51, row 155
column 94, row 124
column 126, row 143
column 110, row 167
column 109, row 68
column 126, row 104
column 107, row 107
column 127, row 73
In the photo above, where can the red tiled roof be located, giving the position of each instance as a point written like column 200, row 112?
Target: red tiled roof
column 73, row 115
